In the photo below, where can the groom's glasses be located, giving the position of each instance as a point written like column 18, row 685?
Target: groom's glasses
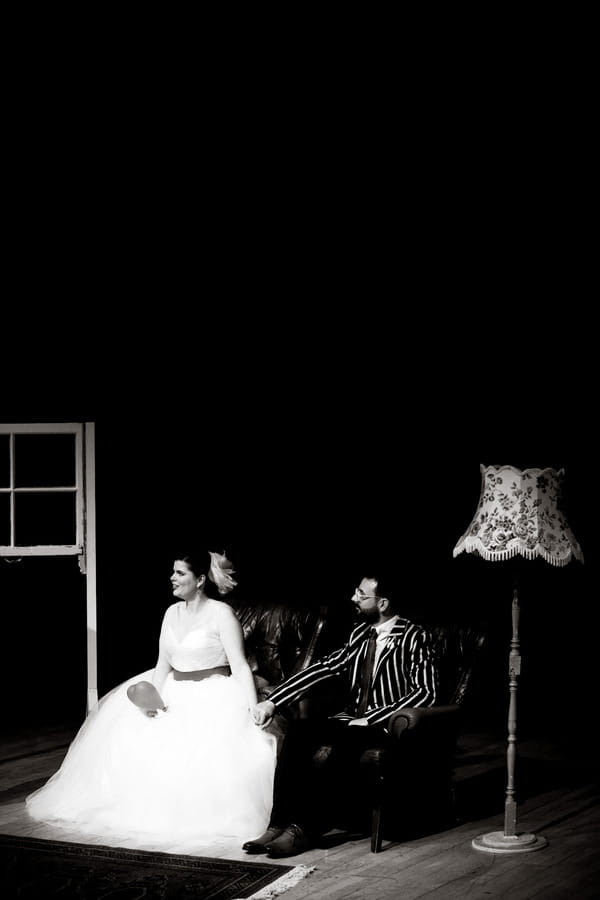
column 362, row 596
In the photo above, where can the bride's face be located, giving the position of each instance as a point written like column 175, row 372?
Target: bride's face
column 185, row 583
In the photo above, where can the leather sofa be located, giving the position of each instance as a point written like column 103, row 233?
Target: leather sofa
column 280, row 640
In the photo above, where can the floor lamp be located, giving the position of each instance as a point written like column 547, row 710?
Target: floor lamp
column 518, row 515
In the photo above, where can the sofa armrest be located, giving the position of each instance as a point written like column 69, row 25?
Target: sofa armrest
column 413, row 717
column 433, row 727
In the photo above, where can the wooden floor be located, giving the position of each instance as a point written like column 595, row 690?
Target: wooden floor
column 560, row 800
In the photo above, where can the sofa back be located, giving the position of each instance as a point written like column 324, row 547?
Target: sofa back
column 280, row 640
column 457, row 647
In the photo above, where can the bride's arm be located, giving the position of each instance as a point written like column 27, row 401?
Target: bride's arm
column 163, row 666
column 232, row 638
column 161, row 671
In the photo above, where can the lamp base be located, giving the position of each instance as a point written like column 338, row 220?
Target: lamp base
column 498, row 842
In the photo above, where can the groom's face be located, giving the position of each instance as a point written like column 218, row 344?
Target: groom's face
column 366, row 601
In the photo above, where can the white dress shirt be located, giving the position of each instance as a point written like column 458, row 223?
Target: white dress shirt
column 383, row 633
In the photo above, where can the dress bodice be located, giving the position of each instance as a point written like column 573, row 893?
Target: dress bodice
column 198, row 648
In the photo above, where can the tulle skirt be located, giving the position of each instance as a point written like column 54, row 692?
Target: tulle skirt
column 200, row 771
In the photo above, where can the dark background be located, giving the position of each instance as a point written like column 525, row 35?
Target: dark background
column 301, row 346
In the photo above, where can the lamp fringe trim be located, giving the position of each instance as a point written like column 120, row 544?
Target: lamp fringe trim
column 287, row 881
column 475, row 546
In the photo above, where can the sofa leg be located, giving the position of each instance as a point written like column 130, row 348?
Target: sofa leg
column 376, row 834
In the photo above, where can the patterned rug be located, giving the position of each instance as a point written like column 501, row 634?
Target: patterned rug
column 32, row 869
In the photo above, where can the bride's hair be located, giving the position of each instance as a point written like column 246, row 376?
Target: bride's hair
column 217, row 568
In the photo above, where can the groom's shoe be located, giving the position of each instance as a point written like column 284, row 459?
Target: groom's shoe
column 291, row 841
column 258, row 845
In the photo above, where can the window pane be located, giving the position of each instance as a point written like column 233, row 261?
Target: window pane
column 4, row 460
column 44, row 519
column 44, row 460
column 5, row 519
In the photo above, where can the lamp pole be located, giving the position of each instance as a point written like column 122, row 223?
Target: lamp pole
column 509, row 841
column 514, row 670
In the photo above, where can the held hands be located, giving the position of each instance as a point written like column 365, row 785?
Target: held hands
column 262, row 713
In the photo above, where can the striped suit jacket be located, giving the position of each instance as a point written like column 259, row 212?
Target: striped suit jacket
column 405, row 674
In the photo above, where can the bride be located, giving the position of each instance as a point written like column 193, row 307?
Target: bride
column 196, row 768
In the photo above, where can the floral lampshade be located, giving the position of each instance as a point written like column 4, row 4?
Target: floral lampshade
column 519, row 513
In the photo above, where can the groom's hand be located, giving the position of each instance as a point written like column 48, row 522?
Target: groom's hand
column 263, row 712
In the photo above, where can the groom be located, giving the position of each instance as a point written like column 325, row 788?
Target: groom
column 387, row 664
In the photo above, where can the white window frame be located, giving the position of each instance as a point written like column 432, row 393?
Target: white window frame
column 85, row 514
column 11, row 550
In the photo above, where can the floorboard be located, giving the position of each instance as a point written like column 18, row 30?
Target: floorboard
column 560, row 800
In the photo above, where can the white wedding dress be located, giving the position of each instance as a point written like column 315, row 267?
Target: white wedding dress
column 202, row 771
